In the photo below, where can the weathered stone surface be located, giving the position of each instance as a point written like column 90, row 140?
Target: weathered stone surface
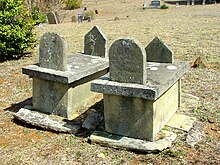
column 61, row 99
column 160, row 77
column 195, row 134
column 45, row 121
column 139, row 118
column 93, row 120
column 157, row 51
column 181, row 122
column 53, row 52
column 81, row 68
column 127, row 62
column 95, row 43
column 52, row 18
column 122, row 142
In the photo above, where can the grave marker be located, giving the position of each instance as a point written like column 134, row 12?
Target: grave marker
column 155, row 4
column 52, row 18
column 137, row 105
column 95, row 43
column 157, row 51
column 53, row 52
column 127, row 62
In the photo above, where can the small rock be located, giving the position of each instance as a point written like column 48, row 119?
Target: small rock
column 101, row 155
column 198, row 63
column 116, row 19
column 92, row 120
column 193, row 137
column 212, row 120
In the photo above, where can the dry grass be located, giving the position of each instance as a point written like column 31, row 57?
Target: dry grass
column 190, row 32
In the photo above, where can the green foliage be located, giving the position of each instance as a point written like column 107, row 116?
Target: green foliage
column 73, row 4
column 38, row 16
column 15, row 29
column 89, row 13
column 172, row 153
column 164, row 6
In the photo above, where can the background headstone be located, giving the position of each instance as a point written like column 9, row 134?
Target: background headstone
column 157, row 51
column 53, row 52
column 127, row 62
column 95, row 42
column 52, row 18
column 155, row 4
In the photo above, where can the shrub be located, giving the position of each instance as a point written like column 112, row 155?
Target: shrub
column 89, row 13
column 16, row 27
column 38, row 16
column 164, row 6
column 73, row 4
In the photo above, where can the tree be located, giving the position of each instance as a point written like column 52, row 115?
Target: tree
column 16, row 29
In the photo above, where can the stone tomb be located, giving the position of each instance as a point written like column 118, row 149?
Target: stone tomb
column 61, row 80
column 140, row 97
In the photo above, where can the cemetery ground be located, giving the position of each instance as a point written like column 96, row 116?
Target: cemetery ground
column 191, row 32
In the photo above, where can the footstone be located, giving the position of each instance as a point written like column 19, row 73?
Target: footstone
column 52, row 18
column 158, row 51
column 95, row 43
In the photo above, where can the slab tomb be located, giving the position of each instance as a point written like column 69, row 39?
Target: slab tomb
column 61, row 80
column 141, row 92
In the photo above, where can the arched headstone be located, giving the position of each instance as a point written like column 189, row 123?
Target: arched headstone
column 127, row 62
column 53, row 52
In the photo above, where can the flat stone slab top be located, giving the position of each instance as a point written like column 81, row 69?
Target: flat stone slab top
column 117, row 141
column 181, row 122
column 79, row 66
column 160, row 77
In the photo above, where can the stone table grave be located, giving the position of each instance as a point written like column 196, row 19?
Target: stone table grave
column 140, row 97
column 61, row 80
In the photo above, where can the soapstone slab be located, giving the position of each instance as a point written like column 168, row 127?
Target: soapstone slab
column 160, row 77
column 79, row 66
column 122, row 142
column 181, row 122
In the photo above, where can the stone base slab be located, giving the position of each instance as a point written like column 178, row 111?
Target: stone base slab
column 181, row 122
column 164, row 141
column 49, row 122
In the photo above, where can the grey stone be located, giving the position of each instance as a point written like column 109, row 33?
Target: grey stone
column 160, row 77
column 53, row 52
column 193, row 137
column 95, row 43
column 81, row 68
column 80, row 18
column 127, row 143
column 157, row 51
column 127, row 62
column 49, row 122
column 93, row 120
column 52, row 18
column 155, row 4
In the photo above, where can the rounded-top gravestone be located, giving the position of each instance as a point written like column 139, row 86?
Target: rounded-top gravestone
column 53, row 52
column 127, row 62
